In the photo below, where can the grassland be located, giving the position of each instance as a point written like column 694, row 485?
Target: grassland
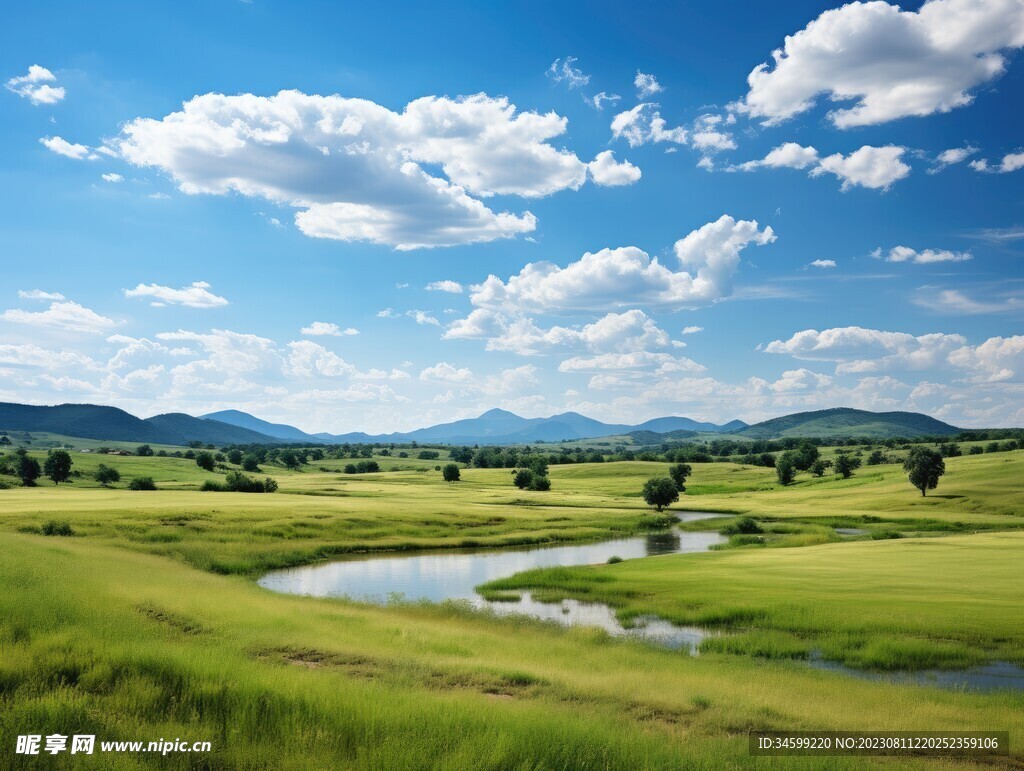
column 147, row 623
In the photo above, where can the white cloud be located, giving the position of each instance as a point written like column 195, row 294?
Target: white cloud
column 872, row 167
column 643, row 124
column 1010, row 162
column 890, row 63
column 452, row 287
column 956, row 301
column 196, row 295
column 998, row 359
column 511, row 381
column 692, row 330
column 856, row 349
column 608, row 172
column 63, row 314
column 822, row 264
column 665, row 363
column 372, row 184
column 423, row 317
column 447, row 373
column 951, row 157
column 36, row 86
column 326, row 329
column 906, row 254
column 112, row 177
column 38, row 294
column 387, row 313
column 600, row 99
column 646, row 85
column 562, row 70
column 307, row 359
column 709, row 257
column 30, row 355
column 65, row 148
column 708, row 137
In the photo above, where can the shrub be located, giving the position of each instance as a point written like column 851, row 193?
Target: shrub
column 523, row 478
column 142, row 483
column 205, row 461
column 107, row 475
column 451, row 473
column 540, row 483
column 614, row 560
column 57, row 528
column 237, row 482
column 742, row 526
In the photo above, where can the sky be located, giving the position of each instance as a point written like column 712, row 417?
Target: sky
column 382, row 216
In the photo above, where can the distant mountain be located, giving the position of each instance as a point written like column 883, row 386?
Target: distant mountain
column 665, row 425
column 245, row 420
column 92, row 421
column 844, row 421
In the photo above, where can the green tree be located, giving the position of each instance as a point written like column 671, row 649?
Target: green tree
column 143, row 450
column 451, row 473
column 818, row 467
column 250, row 462
column 924, row 467
column 107, row 475
column 58, row 466
column 785, row 468
column 205, row 461
column 660, row 492
column 235, row 457
column 846, row 464
column 805, row 456
column 679, row 472
column 28, row 469
column 289, row 459
column 522, row 478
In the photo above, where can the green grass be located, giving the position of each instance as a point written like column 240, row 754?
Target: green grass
column 145, row 621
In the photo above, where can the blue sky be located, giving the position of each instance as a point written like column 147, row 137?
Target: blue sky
column 375, row 218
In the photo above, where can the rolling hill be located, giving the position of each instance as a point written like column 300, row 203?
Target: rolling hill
column 245, row 420
column 844, row 421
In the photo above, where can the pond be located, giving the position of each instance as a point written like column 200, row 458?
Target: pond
column 439, row 576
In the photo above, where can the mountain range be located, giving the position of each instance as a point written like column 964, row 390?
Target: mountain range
column 492, row 427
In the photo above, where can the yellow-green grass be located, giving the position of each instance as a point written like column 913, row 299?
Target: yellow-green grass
column 43, row 440
column 129, row 646
column 898, row 604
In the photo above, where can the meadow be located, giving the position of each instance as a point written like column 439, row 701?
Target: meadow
column 147, row 623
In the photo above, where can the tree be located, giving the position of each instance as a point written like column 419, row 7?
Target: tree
column 205, row 461
column 143, row 450
column 58, row 466
column 679, row 472
column 142, row 483
column 805, row 456
column 28, row 469
column 235, row 457
column 846, row 464
column 451, row 473
column 523, row 478
column 289, row 459
column 876, row 458
column 785, row 468
column 660, row 493
column 250, row 462
column 924, row 467
column 107, row 475
column 819, row 466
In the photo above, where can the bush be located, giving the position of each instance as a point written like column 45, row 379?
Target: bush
column 205, row 461
column 142, row 483
column 614, row 560
column 742, row 526
column 237, row 482
column 57, row 528
column 107, row 475
column 523, row 478
column 540, row 483
column 451, row 473
column 885, row 535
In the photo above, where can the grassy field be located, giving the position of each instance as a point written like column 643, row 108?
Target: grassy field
column 146, row 623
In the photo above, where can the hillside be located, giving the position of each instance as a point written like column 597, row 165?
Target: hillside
column 844, row 421
column 245, row 420
column 190, row 429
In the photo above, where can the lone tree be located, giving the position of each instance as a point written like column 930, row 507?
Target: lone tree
column 846, row 464
column 679, row 472
column 924, row 467
column 205, row 461
column 144, row 451
column 785, row 468
column 451, row 473
column 58, row 466
column 107, row 475
column 660, row 493
column 28, row 469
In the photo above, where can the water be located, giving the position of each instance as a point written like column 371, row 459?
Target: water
column 437, row 577
column 999, row 675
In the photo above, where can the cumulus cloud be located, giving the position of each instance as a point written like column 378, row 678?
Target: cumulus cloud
column 872, row 167
column 692, row 330
column 422, row 317
column 452, row 287
column 639, row 360
column 355, row 170
column 37, row 86
column 511, row 381
column 38, row 294
column 951, row 157
column 112, row 177
column 326, row 329
column 608, row 172
column 708, row 136
column 447, row 373
column 196, row 295
column 822, row 264
column 1010, row 162
column 856, row 349
column 888, row 62
column 62, row 314
column 61, row 146
column 563, row 71
column 708, row 258
column 646, row 85
column 906, row 254
column 998, row 359
column 643, row 124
